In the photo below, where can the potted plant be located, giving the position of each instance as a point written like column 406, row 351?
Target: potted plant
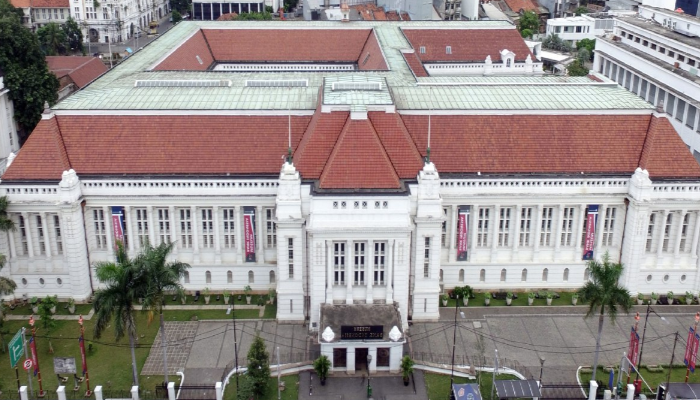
column 689, row 298
column 50, row 303
column 71, row 305
column 654, row 297
column 487, row 298
column 227, row 295
column 509, row 298
column 467, row 292
column 261, row 301
column 670, row 297
column 272, row 294
column 458, row 292
column 247, row 289
column 550, row 296
column 640, row 299
column 574, row 298
column 530, row 298
column 444, row 299
column 35, row 304
column 406, row 368
column 207, row 296
column 322, row 365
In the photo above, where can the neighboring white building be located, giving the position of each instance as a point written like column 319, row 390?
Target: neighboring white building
column 38, row 13
column 573, row 29
column 657, row 56
column 9, row 142
column 117, row 20
column 413, row 171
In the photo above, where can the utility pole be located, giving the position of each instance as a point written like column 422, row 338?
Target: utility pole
column 670, row 366
column 279, row 393
column 495, row 369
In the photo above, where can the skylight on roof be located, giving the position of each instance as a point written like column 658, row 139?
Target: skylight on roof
column 356, row 86
column 181, row 83
column 277, row 83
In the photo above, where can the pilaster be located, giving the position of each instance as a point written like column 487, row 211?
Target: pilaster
column 73, row 231
column 633, row 247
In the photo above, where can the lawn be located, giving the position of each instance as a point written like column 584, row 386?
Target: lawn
column 438, row 385
column 61, row 309
column 652, row 378
column 291, row 391
column 188, row 315
column 189, row 300
column 478, row 301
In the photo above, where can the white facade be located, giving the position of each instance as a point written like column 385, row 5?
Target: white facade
column 9, row 142
column 573, row 29
column 116, row 20
column 652, row 57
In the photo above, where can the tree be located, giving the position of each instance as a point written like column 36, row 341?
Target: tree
column 48, row 323
column 25, row 72
column 576, row 69
column 124, row 284
column 177, row 17
column 161, row 277
column 74, row 35
column 603, row 292
column 588, row 44
column 581, row 10
column 526, row 33
column 530, row 21
column 52, row 38
column 182, row 6
column 583, row 55
column 258, row 366
column 7, row 285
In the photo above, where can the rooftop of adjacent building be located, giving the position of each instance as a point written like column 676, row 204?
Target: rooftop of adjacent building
column 81, row 70
column 657, row 28
column 41, row 3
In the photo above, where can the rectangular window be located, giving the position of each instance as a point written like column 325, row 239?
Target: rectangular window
column 290, row 257
column 684, row 232
column 546, row 231
column 163, row 225
column 690, row 118
column 667, row 232
column 426, row 258
column 359, row 263
column 448, row 49
column 680, row 110
column 229, row 221
column 609, row 226
column 643, row 90
column 504, row 227
column 62, row 14
column 650, row 233
column 379, row 262
column 652, row 94
column 22, row 229
column 40, row 234
column 482, row 230
column 567, row 226
column 57, row 234
column 207, row 228
column 270, row 228
column 661, row 97
column 653, row 46
column 98, row 218
column 525, row 225
column 185, row 228
column 142, row 226
column 443, row 237
column 339, row 263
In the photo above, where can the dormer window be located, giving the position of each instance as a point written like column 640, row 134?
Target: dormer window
column 448, row 50
column 422, row 49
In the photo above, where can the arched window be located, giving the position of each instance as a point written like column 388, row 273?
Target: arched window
column 482, row 275
column 545, row 275
column 251, row 277
column 272, row 276
column 229, row 277
column 440, row 275
column 187, row 277
column 586, row 275
column 503, row 275
column 523, row 276
column 208, row 276
column 566, row 275
column 461, row 275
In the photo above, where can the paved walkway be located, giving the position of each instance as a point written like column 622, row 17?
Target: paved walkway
column 355, row 387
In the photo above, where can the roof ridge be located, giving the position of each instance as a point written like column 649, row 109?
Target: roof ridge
column 306, row 138
column 381, row 143
column 62, row 144
column 211, row 52
column 648, row 142
column 369, row 34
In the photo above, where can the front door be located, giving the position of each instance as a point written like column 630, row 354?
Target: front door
column 361, row 359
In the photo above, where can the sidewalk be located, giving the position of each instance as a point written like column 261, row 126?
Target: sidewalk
column 120, row 47
column 480, row 312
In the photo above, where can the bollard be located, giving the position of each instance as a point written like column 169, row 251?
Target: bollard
column 219, row 391
column 593, row 389
column 630, row 392
column 23, row 393
column 171, row 391
column 134, row 393
column 61, row 392
column 607, row 395
column 98, row 393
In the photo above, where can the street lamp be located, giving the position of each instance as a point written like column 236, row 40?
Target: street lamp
column 541, row 369
column 641, row 348
column 454, row 344
column 369, row 386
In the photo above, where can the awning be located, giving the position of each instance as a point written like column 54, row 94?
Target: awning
column 510, row 389
column 679, row 390
column 467, row 391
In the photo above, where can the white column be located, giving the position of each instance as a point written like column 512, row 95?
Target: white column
column 578, row 232
column 23, row 393
column 349, row 261
column 260, row 257
column 195, row 234
column 516, row 233
column 218, row 387
column 173, row 230
column 239, row 236
column 473, row 232
column 133, row 236
column 152, row 225
column 494, row 238
column 350, row 360
column 134, row 393
column 369, row 279
column 677, row 244
column 28, row 230
column 329, row 268
column 98, row 392
column 13, row 249
column 599, row 232
column 217, row 235
column 538, row 230
column 452, row 234
column 696, row 235
column 660, row 227
column 171, row 391
column 373, row 365
column 61, row 393
column 388, row 272
column 109, row 231
column 557, row 232
column 47, row 240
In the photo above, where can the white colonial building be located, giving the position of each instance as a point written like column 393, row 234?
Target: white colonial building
column 112, row 21
column 415, row 168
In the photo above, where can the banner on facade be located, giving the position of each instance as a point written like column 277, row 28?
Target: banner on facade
column 463, row 233
column 118, row 224
column 694, row 353
column 249, row 233
column 689, row 347
column 35, row 357
column 589, row 241
column 633, row 351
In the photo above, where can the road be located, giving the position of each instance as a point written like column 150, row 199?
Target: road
column 133, row 43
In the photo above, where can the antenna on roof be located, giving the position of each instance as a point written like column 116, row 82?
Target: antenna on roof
column 289, row 130
column 430, row 111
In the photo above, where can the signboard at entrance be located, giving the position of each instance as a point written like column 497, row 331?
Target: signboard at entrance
column 16, row 348
column 361, row 332
column 64, row 365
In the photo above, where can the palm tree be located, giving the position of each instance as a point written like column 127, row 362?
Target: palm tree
column 52, row 38
column 161, row 277
column 603, row 292
column 7, row 285
column 124, row 282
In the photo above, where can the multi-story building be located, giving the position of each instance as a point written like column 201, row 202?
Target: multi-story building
column 116, row 20
column 656, row 55
column 38, row 13
column 581, row 27
column 361, row 177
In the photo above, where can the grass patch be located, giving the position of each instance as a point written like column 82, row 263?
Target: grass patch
column 478, row 301
column 438, row 385
column 189, row 300
column 61, row 309
column 188, row 315
column 652, row 378
column 270, row 311
column 290, row 392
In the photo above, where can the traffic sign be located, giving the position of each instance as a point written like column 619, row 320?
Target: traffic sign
column 16, row 348
column 27, row 364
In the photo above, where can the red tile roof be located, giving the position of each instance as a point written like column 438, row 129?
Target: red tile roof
column 525, row 5
column 371, row 57
column 358, row 161
column 51, row 3
column 397, row 143
column 414, row 63
column 21, row 3
column 664, row 154
column 467, row 44
column 46, row 157
column 317, row 144
column 185, row 56
column 81, row 70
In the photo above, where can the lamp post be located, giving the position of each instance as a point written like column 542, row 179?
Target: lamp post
column 454, row 344
column 35, row 356
column 644, row 331
column 541, row 369
column 88, row 393
column 369, row 386
column 235, row 339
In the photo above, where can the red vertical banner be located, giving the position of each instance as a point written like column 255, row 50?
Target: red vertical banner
column 118, row 224
column 689, row 347
column 589, row 242
column 35, row 354
column 633, row 351
column 463, row 234
column 249, row 233
column 694, row 354
column 82, row 353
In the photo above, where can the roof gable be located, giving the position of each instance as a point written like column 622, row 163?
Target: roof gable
column 359, row 161
column 192, row 55
column 664, row 154
column 43, row 156
column 397, row 143
column 318, row 142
